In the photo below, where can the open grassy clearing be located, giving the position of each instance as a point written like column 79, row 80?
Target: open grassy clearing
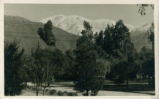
column 109, row 89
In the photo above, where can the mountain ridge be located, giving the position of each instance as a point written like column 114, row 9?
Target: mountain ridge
column 74, row 23
column 26, row 32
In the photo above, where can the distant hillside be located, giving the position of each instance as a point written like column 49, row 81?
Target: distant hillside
column 26, row 31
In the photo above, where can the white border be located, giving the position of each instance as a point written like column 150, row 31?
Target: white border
column 1, row 50
column 156, row 20
column 82, row 1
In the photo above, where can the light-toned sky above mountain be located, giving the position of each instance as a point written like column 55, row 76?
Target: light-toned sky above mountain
column 35, row 12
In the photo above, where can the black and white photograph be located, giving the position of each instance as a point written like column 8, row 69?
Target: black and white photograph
column 79, row 50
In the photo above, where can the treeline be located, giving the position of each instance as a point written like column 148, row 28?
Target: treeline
column 109, row 54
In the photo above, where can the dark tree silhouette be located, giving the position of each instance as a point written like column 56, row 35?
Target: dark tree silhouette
column 46, row 33
column 89, row 72
column 150, row 63
column 13, row 63
column 118, row 45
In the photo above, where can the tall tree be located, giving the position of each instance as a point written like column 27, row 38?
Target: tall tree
column 152, row 61
column 87, row 69
column 117, row 43
column 100, row 39
column 70, row 59
column 109, row 44
column 36, row 73
column 41, row 68
column 13, row 62
column 59, row 62
column 147, row 65
column 46, row 33
column 151, row 72
column 121, row 32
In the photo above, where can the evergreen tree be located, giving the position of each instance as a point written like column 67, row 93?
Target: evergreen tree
column 100, row 39
column 13, row 63
column 109, row 44
column 151, row 35
column 46, row 33
column 40, row 68
column 148, row 66
column 118, row 45
column 70, row 59
column 152, row 61
column 59, row 63
column 120, row 34
column 87, row 70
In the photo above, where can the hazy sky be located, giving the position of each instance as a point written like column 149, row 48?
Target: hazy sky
column 35, row 12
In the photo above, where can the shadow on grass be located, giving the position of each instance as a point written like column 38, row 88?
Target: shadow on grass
column 134, row 88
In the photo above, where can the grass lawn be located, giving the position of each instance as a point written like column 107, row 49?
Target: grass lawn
column 109, row 89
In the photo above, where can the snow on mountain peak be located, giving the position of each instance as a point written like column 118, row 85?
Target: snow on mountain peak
column 74, row 23
column 144, row 27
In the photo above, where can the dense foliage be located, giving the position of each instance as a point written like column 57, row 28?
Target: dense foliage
column 46, row 33
column 13, row 57
column 90, row 70
column 107, row 55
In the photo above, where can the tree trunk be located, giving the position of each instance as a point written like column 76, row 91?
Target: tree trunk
column 87, row 93
column 37, row 92
column 127, row 83
column 153, row 46
column 44, row 91
column 149, row 81
column 127, row 79
column 153, row 81
column 48, row 84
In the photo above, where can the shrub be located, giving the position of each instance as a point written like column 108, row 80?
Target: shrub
column 60, row 93
column 72, row 94
column 52, row 92
column 65, row 93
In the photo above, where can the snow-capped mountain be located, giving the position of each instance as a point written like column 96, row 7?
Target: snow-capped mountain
column 74, row 24
column 143, row 28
